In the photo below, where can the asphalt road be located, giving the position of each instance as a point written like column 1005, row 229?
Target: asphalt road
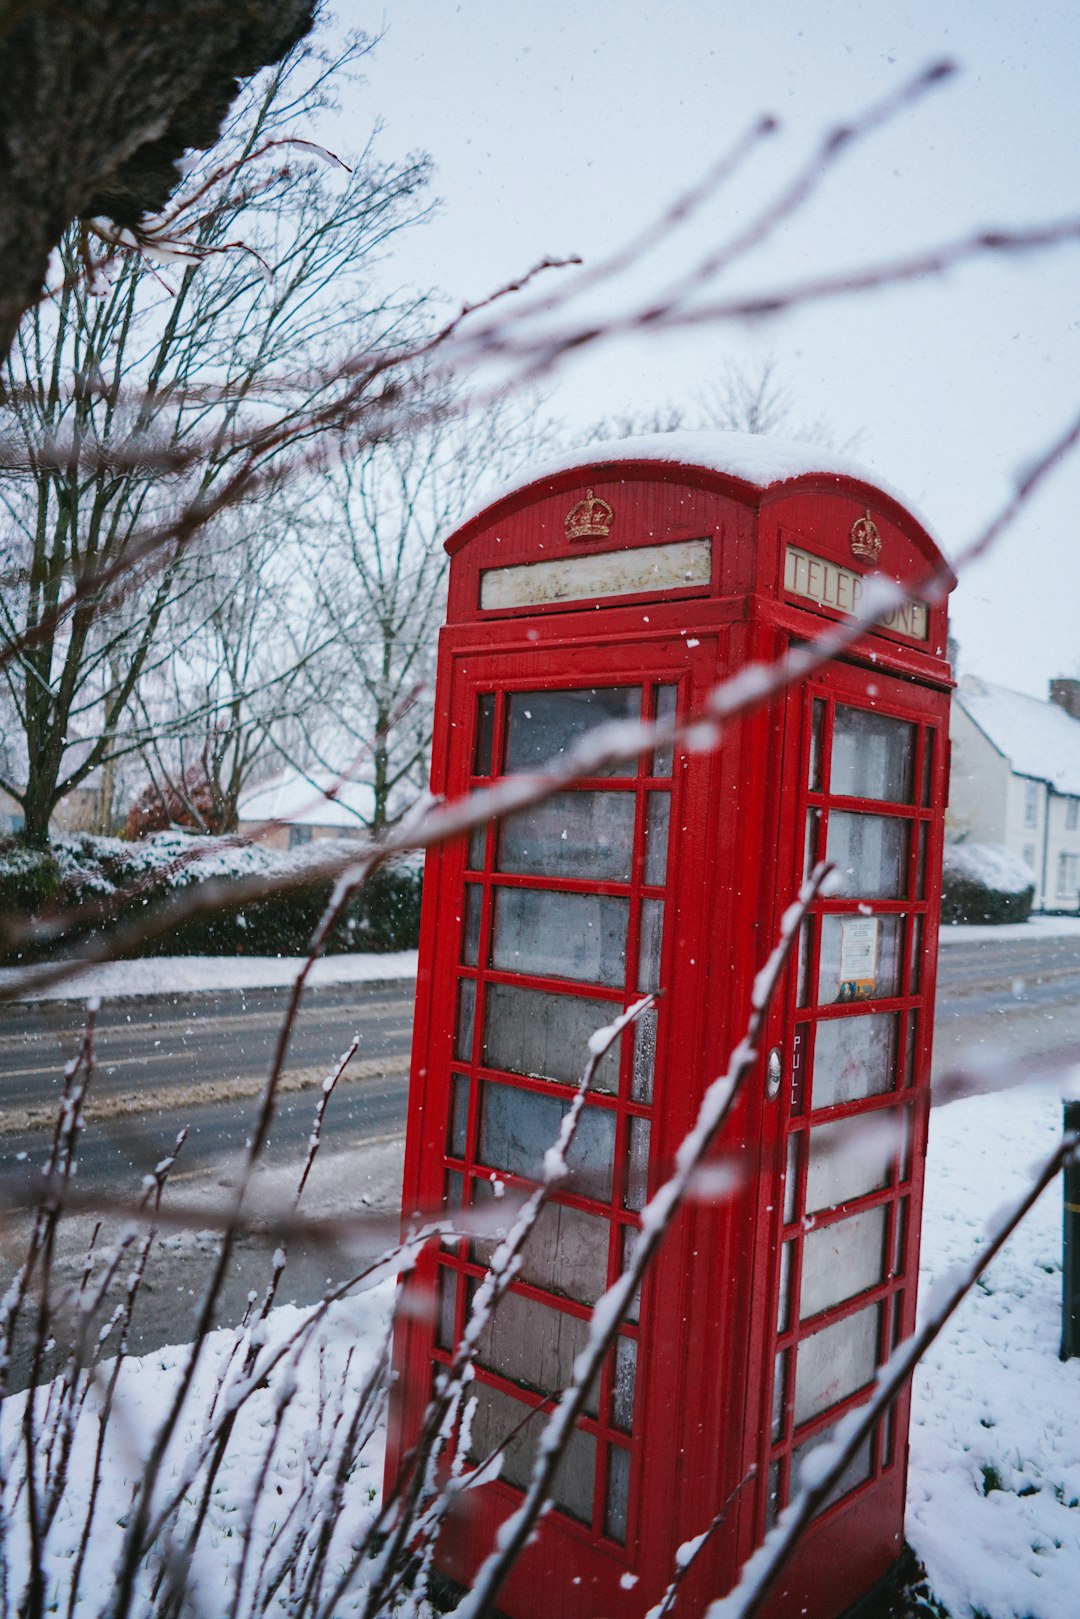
column 200, row 1060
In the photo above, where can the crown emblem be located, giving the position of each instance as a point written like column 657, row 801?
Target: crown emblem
column 591, row 517
column 865, row 539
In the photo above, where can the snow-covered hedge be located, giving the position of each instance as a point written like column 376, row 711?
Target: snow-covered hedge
column 985, row 882
column 81, row 869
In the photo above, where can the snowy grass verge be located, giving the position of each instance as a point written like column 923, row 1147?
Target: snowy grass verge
column 299, row 1415
column 1037, row 927
column 994, row 1486
column 187, row 975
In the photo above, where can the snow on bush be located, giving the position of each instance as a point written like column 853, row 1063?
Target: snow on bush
column 985, row 882
column 83, row 871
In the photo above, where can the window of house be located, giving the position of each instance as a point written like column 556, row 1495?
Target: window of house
column 1072, row 806
column 1068, row 876
column 1029, row 855
column 299, row 835
column 1031, row 803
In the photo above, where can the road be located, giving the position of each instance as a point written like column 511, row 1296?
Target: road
column 200, row 1060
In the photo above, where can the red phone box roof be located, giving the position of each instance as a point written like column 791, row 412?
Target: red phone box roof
column 679, row 515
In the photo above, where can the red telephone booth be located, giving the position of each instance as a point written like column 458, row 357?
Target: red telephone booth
column 629, row 587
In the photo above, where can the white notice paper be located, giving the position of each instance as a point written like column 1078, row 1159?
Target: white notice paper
column 858, row 957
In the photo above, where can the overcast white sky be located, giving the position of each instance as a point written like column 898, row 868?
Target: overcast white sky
column 563, row 128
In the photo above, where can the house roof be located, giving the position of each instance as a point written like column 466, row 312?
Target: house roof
column 314, row 798
column 1038, row 738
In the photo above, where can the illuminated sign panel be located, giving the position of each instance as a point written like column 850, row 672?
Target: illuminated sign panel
column 829, row 585
column 601, row 573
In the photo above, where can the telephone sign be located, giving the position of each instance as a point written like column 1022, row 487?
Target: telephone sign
column 627, row 587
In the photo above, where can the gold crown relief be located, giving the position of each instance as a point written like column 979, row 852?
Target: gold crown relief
column 865, row 539
column 590, row 518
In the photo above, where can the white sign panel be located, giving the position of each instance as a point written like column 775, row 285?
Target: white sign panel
column 829, row 585
column 601, row 573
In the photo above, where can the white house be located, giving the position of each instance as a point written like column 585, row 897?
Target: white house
column 1015, row 780
column 303, row 808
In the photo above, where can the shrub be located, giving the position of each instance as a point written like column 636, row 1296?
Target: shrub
column 384, row 915
column 985, row 882
column 29, row 878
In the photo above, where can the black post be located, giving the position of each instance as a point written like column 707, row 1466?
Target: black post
column 1070, row 1265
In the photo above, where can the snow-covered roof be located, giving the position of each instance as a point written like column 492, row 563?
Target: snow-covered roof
column 1038, row 738
column 304, row 800
column 756, row 458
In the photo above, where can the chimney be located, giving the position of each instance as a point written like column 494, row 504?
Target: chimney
column 1066, row 694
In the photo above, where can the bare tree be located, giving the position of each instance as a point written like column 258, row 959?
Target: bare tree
column 379, row 577
column 240, row 661
column 160, row 376
column 742, row 399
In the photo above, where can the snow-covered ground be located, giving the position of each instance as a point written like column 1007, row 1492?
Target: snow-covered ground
column 994, row 1493
column 187, row 975
column 1039, row 927
column 994, row 1488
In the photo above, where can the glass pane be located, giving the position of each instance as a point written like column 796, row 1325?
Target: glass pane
column 566, row 1252
column 637, row 1173
column 872, row 755
column 842, row 1260
column 848, row 1159
column 665, row 710
column 485, row 733
column 834, row 1362
column 656, row 838
column 517, row 1127
column 644, row 1066
column 928, row 767
column 909, row 1055
column 920, row 862
column 459, row 1115
column 652, row 938
column 446, row 1326
column 465, row 1018
column 860, row 958
column 470, row 948
column 557, row 935
column 623, row 1382
column 854, row 1057
column 501, row 1421
column 583, row 835
column 546, row 1035
column 791, row 1178
column 783, row 1298
column 813, row 821
column 869, row 853
column 856, row 1472
column 779, row 1395
column 802, row 988
column 817, row 717
column 535, row 1345
column 477, row 847
column 543, row 725
column 629, row 1243
column 772, row 1500
column 618, row 1493
column 916, row 953
column 899, row 1238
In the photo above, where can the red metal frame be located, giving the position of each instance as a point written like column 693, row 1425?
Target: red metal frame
column 707, row 1340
